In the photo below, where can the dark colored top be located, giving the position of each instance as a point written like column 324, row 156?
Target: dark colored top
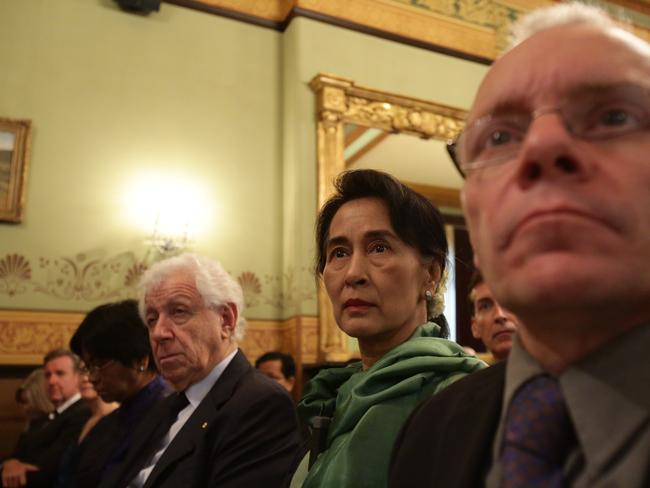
column 453, row 439
column 44, row 446
column 244, row 433
column 609, row 404
column 105, row 446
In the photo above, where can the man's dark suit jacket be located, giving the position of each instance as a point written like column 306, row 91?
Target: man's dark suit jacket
column 447, row 441
column 44, row 446
column 243, row 434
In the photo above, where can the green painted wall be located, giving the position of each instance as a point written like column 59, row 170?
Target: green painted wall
column 116, row 98
column 218, row 106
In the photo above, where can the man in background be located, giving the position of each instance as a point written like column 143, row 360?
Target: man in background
column 36, row 458
column 491, row 323
column 556, row 159
column 278, row 366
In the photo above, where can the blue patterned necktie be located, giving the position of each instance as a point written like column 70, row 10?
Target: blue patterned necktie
column 538, row 436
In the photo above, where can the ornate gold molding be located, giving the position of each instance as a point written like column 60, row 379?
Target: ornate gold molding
column 476, row 28
column 439, row 196
column 339, row 101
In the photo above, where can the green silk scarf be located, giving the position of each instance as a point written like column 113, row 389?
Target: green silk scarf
column 369, row 407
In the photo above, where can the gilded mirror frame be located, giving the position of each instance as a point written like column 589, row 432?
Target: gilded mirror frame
column 340, row 101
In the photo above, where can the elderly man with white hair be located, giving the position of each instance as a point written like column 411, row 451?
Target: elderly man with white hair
column 227, row 425
column 556, row 159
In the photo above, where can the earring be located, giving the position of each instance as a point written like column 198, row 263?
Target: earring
column 141, row 368
column 428, row 295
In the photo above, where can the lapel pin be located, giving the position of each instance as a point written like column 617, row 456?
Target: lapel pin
column 205, row 424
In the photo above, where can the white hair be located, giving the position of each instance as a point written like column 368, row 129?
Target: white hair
column 572, row 13
column 213, row 283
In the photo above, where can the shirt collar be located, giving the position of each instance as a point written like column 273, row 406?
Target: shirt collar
column 608, row 389
column 74, row 398
column 603, row 389
column 197, row 392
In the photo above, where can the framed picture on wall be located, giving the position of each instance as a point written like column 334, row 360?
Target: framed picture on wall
column 15, row 136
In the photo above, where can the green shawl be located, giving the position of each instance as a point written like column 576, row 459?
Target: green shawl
column 369, row 407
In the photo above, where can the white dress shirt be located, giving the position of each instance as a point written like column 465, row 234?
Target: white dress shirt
column 61, row 408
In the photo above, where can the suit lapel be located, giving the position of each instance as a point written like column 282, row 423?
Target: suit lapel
column 192, row 433
column 141, row 445
column 475, row 423
column 52, row 428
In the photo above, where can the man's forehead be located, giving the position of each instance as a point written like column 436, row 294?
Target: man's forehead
column 482, row 291
column 554, row 64
column 177, row 285
column 59, row 363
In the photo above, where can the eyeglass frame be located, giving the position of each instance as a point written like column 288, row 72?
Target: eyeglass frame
column 452, row 145
column 93, row 369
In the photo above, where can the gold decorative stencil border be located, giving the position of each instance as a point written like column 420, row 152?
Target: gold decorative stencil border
column 26, row 335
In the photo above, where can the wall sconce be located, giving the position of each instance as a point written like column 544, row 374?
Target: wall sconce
column 169, row 239
column 172, row 209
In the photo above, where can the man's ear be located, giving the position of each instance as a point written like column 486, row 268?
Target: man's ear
column 475, row 332
column 292, row 381
column 229, row 316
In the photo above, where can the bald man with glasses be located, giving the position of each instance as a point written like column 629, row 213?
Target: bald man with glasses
column 556, row 160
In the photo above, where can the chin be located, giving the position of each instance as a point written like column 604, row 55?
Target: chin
column 356, row 327
column 553, row 281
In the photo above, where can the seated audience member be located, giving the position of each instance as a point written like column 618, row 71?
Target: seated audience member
column 382, row 253
column 227, row 425
column 114, row 344
column 98, row 407
column 491, row 323
column 32, row 399
column 278, row 366
column 98, row 410
column 556, row 159
column 35, row 460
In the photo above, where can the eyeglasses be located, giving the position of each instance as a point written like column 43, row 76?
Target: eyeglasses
column 94, row 367
column 592, row 114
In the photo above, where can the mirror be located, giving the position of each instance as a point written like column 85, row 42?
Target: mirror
column 358, row 127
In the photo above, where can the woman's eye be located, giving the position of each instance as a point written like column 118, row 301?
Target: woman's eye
column 379, row 248
column 337, row 253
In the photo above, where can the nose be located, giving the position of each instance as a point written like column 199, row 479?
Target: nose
column 549, row 152
column 161, row 330
column 355, row 273
column 499, row 314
